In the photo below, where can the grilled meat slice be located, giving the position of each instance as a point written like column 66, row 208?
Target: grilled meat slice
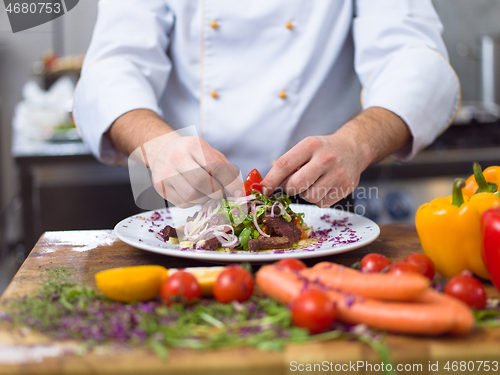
column 286, row 235
column 169, row 231
column 212, row 243
column 264, row 243
column 283, row 228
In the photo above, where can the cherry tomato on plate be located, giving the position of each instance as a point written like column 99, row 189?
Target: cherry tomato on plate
column 423, row 262
column 303, row 235
column 253, row 181
column 233, row 284
column 180, row 287
column 314, row 311
column 374, row 262
column 291, row 264
column 468, row 289
column 403, row 267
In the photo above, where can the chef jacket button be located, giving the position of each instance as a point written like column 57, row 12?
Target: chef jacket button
column 289, row 25
column 282, row 94
column 214, row 94
column 214, row 25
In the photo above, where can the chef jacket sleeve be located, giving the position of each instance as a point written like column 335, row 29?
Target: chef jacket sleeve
column 126, row 68
column 401, row 61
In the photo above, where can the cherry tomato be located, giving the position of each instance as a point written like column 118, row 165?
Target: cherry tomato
column 374, row 262
column 291, row 264
column 253, row 181
column 423, row 262
column 314, row 311
column 303, row 235
column 403, row 267
column 468, row 289
column 180, row 287
column 233, row 284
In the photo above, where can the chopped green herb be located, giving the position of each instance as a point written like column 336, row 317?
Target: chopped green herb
column 63, row 309
column 489, row 317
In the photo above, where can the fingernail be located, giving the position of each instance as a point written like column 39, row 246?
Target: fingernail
column 265, row 191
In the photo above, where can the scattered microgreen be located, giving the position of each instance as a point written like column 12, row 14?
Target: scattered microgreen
column 381, row 349
column 490, row 316
column 356, row 265
column 64, row 309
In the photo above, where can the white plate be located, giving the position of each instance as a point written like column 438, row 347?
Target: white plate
column 336, row 232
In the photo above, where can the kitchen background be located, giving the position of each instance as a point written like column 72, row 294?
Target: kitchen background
column 57, row 186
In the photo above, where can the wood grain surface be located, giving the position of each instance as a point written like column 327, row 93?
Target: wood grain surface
column 87, row 252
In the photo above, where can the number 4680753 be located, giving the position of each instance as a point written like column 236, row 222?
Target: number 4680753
column 33, row 8
column 471, row 366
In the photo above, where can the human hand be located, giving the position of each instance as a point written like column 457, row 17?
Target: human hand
column 325, row 169
column 187, row 170
column 322, row 169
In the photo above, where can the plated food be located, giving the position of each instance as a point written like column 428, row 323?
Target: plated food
column 253, row 228
column 249, row 223
column 334, row 231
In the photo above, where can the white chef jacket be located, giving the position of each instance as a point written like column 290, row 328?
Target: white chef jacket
column 257, row 76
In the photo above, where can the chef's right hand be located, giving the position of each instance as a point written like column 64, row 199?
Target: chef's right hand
column 187, row 170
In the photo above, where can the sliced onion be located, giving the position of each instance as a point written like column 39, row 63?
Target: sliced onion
column 282, row 209
column 222, row 227
column 241, row 199
column 226, row 239
column 233, row 243
column 209, row 207
column 197, row 236
column 272, row 209
column 193, row 229
column 254, row 217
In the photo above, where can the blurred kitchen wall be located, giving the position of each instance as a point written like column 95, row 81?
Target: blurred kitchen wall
column 67, row 35
column 464, row 22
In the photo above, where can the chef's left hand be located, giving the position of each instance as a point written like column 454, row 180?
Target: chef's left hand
column 325, row 169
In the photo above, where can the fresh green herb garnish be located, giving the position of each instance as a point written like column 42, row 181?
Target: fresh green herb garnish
column 244, row 237
column 489, row 317
column 64, row 309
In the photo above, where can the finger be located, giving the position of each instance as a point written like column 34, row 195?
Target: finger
column 286, row 165
column 185, row 190
column 235, row 188
column 332, row 197
column 182, row 164
column 228, row 175
column 200, row 180
column 327, row 183
column 303, row 179
column 170, row 194
column 335, row 194
column 217, row 166
column 326, row 202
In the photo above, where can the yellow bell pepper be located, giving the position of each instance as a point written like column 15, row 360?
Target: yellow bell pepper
column 449, row 229
column 482, row 182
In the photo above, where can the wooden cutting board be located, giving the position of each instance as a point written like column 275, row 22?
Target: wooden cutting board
column 87, row 252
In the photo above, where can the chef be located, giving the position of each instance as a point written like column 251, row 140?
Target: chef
column 309, row 92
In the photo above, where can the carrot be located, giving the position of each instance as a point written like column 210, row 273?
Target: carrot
column 429, row 318
column 404, row 287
